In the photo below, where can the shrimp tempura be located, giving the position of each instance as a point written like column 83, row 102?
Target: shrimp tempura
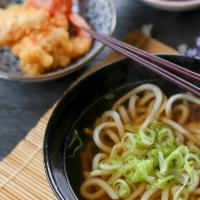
column 17, row 21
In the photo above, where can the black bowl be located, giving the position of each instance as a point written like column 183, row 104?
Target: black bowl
column 82, row 103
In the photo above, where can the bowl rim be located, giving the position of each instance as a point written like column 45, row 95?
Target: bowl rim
column 46, row 160
column 173, row 5
column 72, row 67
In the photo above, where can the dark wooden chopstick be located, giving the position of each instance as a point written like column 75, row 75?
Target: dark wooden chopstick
column 148, row 64
column 162, row 62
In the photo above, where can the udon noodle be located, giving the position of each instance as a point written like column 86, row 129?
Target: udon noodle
column 149, row 148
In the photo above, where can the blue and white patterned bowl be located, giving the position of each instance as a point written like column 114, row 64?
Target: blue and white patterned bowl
column 100, row 14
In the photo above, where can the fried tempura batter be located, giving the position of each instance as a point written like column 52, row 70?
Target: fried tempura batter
column 17, row 21
column 41, row 39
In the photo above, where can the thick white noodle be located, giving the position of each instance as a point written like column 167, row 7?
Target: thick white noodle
column 195, row 184
column 100, row 172
column 124, row 115
column 197, row 136
column 171, row 100
column 179, row 189
column 115, row 116
column 162, row 107
column 192, row 146
column 194, row 127
column 197, row 191
column 184, row 113
column 112, row 135
column 142, row 110
column 195, row 130
column 165, row 194
column 158, row 100
column 94, row 195
column 146, row 99
column 113, row 178
column 137, row 192
column 116, row 149
column 96, row 136
column 180, row 129
column 96, row 160
column 149, row 193
column 180, row 137
column 98, row 182
column 156, row 106
column 132, row 107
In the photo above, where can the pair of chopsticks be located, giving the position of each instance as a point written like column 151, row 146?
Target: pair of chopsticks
column 163, row 68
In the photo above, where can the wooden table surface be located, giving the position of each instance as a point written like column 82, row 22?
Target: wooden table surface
column 22, row 104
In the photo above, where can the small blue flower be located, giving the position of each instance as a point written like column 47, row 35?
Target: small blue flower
column 197, row 57
column 198, row 42
column 194, row 52
column 191, row 52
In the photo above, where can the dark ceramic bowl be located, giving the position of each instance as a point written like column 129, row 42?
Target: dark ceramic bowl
column 82, row 103
column 100, row 14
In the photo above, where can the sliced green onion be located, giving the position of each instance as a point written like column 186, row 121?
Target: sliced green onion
column 162, row 162
column 163, row 182
column 156, row 126
column 152, row 155
column 175, row 160
column 75, row 143
column 110, row 165
column 146, row 137
column 130, row 141
column 121, row 188
column 193, row 182
column 179, row 192
column 183, row 150
column 129, row 128
column 192, row 162
column 143, row 170
column 165, row 136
